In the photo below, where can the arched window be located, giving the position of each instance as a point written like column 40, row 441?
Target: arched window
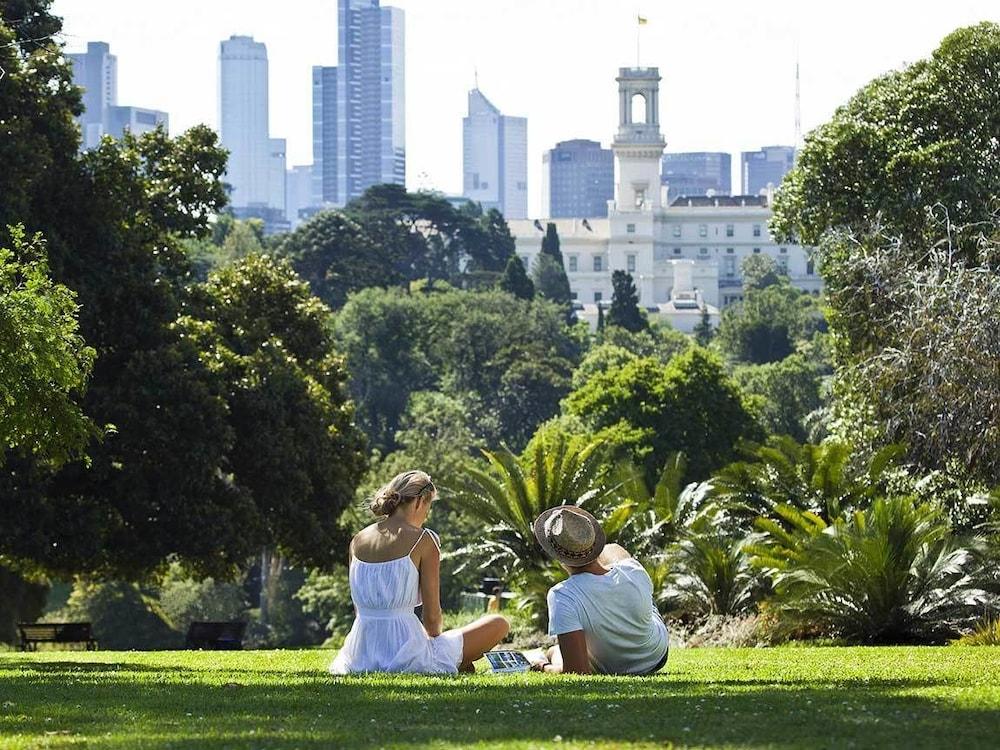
column 638, row 108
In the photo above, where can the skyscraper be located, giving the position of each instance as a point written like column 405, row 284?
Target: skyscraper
column 96, row 72
column 324, row 172
column 359, row 125
column 495, row 158
column 765, row 167
column 299, row 193
column 695, row 173
column 243, row 120
column 579, row 180
column 256, row 168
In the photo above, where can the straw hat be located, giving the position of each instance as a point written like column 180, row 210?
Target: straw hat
column 570, row 535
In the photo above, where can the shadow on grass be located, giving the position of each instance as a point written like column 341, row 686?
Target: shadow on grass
column 157, row 709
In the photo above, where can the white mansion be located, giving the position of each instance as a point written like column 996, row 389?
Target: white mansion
column 681, row 256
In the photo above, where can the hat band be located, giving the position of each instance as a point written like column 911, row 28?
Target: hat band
column 568, row 553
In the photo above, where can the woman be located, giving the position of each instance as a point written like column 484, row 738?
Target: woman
column 394, row 567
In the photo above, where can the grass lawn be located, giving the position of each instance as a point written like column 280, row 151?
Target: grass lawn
column 781, row 697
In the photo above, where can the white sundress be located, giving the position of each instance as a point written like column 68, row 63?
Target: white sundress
column 386, row 635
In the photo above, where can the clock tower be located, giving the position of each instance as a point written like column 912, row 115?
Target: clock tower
column 638, row 145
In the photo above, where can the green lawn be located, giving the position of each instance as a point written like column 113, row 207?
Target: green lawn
column 781, row 697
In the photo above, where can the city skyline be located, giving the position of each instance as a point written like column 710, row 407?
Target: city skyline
column 735, row 102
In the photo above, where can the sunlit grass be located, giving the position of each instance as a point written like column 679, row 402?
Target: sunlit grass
column 805, row 697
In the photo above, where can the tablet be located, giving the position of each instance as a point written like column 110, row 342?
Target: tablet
column 507, row 661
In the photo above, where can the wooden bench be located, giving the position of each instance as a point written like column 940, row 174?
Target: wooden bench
column 33, row 633
column 216, row 636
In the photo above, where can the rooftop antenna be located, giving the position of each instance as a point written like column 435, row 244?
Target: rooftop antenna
column 798, row 107
column 475, row 74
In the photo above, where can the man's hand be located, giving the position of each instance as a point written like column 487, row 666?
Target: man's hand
column 539, row 665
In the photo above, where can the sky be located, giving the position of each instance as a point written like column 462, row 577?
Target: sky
column 728, row 67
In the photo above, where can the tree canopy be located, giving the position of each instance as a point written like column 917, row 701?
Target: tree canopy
column 648, row 411
column 625, row 312
column 45, row 360
column 508, row 360
column 515, row 280
column 917, row 138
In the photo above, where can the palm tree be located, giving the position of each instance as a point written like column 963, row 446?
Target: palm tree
column 708, row 572
column 508, row 493
column 817, row 478
column 647, row 519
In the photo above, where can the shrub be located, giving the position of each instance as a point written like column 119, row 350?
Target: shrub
column 124, row 616
column 708, row 571
column 987, row 633
column 326, row 596
column 891, row 573
column 185, row 599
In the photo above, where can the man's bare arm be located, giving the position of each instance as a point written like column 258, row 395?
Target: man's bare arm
column 613, row 553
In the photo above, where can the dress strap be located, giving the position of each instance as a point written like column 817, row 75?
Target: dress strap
column 417, row 542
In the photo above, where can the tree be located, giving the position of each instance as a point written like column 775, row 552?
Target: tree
column 515, row 280
column 295, row 450
column 648, row 411
column 552, row 284
column 900, row 190
column 511, row 360
column 509, row 492
column 917, row 349
column 824, row 480
column 45, row 360
column 38, row 102
column 915, row 138
column 660, row 341
column 550, row 243
column 759, row 272
column 486, row 239
column 155, row 485
column 508, row 360
column 334, row 252
column 429, row 238
column 625, row 312
column 703, row 332
column 789, row 390
column 382, row 336
column 766, row 325
column 231, row 238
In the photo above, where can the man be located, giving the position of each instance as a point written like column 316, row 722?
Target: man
column 603, row 614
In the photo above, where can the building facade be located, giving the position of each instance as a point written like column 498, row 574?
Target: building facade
column 255, row 172
column 324, row 102
column 495, row 158
column 298, row 194
column 243, row 120
column 96, row 72
column 578, row 180
column 764, row 169
column 136, row 120
column 697, row 173
column 367, row 121
column 684, row 257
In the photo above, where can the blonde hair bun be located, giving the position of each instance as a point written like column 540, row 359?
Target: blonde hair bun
column 403, row 488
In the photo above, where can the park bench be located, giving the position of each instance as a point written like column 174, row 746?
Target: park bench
column 216, row 636
column 55, row 632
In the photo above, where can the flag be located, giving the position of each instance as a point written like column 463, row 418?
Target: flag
column 642, row 20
